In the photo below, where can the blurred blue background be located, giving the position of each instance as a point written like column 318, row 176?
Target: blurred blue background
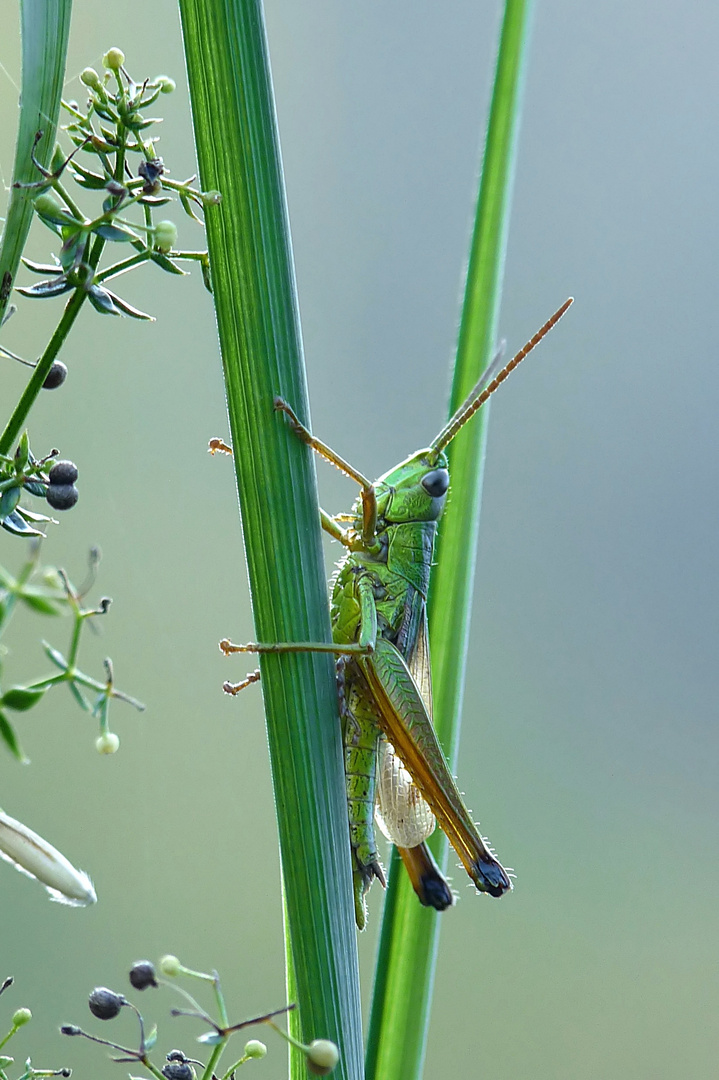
column 589, row 745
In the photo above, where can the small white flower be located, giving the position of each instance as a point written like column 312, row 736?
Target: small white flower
column 33, row 856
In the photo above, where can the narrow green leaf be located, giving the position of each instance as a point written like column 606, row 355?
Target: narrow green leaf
column 45, row 28
column 15, row 523
column 30, row 515
column 55, row 655
column 258, row 323
column 167, row 264
column 408, row 946
column 80, row 697
column 86, row 178
column 123, row 308
column 102, row 301
column 36, row 600
column 8, row 736
column 43, row 289
column 41, row 268
column 9, row 500
column 210, row 1038
column 20, row 698
column 6, row 579
column 116, row 233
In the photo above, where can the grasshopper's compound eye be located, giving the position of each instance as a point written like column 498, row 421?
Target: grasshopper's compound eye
column 436, row 483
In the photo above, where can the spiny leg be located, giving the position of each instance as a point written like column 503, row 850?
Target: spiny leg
column 249, row 679
column 329, row 523
column 369, row 499
column 350, row 649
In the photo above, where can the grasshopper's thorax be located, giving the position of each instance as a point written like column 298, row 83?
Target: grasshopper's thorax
column 410, row 500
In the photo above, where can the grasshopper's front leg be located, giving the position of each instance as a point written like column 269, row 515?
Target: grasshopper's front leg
column 369, row 497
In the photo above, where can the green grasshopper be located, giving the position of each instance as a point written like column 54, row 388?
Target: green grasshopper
column 394, row 765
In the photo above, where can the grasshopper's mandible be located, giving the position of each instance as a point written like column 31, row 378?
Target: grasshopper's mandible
column 395, row 768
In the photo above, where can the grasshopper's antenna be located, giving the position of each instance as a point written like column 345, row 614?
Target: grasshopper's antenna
column 484, row 389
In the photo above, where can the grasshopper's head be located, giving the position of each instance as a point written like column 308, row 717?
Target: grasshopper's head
column 414, row 490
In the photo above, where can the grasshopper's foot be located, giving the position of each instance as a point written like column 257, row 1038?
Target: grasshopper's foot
column 234, row 688
column 362, row 878
column 427, row 879
column 436, row 894
column 491, row 877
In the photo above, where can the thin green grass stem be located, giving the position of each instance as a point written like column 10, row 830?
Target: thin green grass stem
column 408, row 944
column 45, row 27
column 258, row 325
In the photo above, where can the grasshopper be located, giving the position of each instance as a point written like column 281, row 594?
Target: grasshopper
column 395, row 768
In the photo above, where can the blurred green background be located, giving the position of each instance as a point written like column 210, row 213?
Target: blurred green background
column 589, row 745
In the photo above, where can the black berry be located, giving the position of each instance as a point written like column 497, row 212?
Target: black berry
column 142, row 975
column 63, row 472
column 105, row 1004
column 56, row 376
column 178, row 1070
column 62, row 496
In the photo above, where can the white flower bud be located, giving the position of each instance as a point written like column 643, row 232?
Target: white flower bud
column 107, row 743
column 113, row 59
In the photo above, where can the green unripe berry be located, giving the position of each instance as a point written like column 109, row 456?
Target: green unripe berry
column 322, row 1056
column 20, row 1017
column 170, row 966
column 166, row 84
column 165, row 235
column 255, row 1049
column 47, row 206
column 91, row 78
column 113, row 59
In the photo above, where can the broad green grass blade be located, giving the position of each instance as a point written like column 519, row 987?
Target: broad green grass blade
column 45, row 27
column 408, row 944
column 258, row 324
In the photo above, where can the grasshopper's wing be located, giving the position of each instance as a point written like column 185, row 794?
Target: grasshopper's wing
column 402, row 813
column 419, row 664
column 406, row 723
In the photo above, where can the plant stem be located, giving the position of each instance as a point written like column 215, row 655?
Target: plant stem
column 45, row 29
column 34, row 386
column 258, row 324
column 408, row 945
